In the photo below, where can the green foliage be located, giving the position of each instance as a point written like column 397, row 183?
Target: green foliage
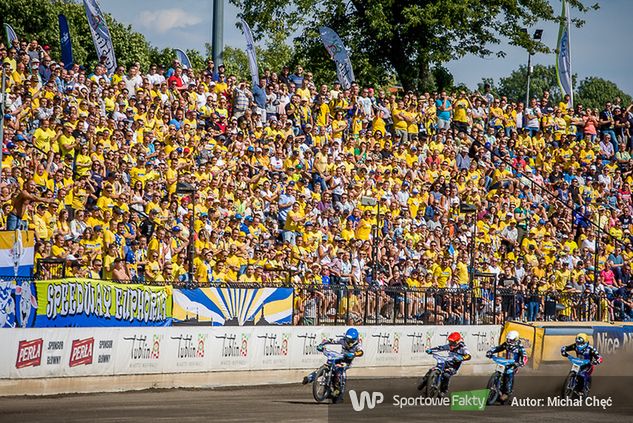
column 594, row 92
column 388, row 37
column 275, row 55
column 236, row 63
column 543, row 78
column 38, row 19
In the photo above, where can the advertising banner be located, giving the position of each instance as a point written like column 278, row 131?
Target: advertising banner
column 87, row 302
column 234, row 306
column 67, row 352
column 609, row 340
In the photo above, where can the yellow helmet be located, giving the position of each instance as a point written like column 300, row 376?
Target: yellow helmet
column 582, row 340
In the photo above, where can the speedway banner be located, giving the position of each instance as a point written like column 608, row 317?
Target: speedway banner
column 87, row 302
column 234, row 306
column 100, row 34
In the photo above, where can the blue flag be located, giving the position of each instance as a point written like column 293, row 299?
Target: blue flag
column 11, row 35
column 181, row 56
column 66, row 44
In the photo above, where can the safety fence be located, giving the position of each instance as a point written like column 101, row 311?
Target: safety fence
column 406, row 306
column 83, row 302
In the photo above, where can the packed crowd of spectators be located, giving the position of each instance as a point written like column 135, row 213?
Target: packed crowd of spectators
column 303, row 181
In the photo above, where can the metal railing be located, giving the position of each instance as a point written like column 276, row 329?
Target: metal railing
column 338, row 304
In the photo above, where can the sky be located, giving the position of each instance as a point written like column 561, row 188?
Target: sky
column 599, row 48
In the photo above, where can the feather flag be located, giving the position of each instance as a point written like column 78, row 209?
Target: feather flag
column 334, row 45
column 66, row 44
column 182, row 57
column 563, row 54
column 11, row 35
column 250, row 52
column 100, row 34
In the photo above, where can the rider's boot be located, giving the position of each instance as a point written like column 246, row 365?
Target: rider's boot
column 308, row 379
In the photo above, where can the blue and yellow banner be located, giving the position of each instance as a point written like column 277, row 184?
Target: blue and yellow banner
column 234, row 306
column 87, row 302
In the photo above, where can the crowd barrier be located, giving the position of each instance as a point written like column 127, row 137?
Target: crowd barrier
column 77, row 302
column 69, row 352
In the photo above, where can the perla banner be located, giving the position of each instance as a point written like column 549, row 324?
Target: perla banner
column 334, row 45
column 100, row 34
column 88, row 302
column 234, row 306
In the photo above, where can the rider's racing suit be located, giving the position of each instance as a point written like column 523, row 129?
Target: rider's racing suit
column 456, row 356
column 514, row 352
column 589, row 353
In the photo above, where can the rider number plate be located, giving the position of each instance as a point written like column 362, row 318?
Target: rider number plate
column 575, row 368
column 500, row 368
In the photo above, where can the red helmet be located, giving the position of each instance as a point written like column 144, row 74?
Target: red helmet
column 454, row 339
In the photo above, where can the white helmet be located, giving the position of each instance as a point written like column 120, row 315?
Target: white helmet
column 512, row 337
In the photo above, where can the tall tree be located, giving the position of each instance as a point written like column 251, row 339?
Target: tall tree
column 542, row 78
column 404, row 37
column 38, row 19
column 594, row 92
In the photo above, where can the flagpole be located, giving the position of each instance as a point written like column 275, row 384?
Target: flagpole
column 571, row 74
column 2, row 98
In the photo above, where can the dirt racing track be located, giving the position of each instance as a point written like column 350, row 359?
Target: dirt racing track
column 294, row 403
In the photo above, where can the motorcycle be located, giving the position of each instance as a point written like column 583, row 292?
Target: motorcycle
column 323, row 386
column 497, row 382
column 431, row 383
column 574, row 386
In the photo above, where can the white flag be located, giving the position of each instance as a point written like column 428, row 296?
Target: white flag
column 100, row 34
column 250, row 52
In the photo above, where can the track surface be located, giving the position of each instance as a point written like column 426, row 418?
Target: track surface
column 285, row 403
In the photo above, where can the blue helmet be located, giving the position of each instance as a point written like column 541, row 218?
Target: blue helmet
column 351, row 337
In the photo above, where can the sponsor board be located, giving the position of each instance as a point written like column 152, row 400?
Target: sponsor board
column 58, row 352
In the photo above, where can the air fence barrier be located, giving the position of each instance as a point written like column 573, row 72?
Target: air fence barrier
column 114, row 351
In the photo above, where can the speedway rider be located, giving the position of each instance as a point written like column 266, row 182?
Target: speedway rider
column 457, row 352
column 350, row 348
column 513, row 351
column 585, row 351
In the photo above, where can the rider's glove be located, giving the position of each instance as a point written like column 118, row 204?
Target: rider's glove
column 489, row 354
column 564, row 352
column 596, row 361
column 319, row 348
column 429, row 351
